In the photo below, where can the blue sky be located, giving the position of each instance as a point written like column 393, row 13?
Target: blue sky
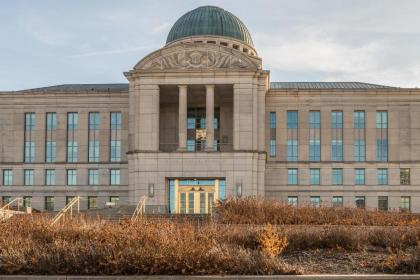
column 49, row 42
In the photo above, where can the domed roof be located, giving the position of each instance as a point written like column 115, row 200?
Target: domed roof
column 209, row 20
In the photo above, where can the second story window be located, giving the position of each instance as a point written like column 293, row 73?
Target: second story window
column 93, row 175
column 382, row 176
column 337, row 176
column 292, row 176
column 50, row 177
column 71, row 177
column 314, row 176
column 7, row 177
column 29, row 177
column 405, row 176
column 359, row 176
column 115, row 176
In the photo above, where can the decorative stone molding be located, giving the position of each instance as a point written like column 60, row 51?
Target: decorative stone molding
column 197, row 57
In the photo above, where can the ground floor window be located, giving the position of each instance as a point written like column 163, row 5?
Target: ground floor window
column 405, row 203
column 383, row 203
column 360, row 202
column 292, row 201
column 315, row 201
column 49, row 203
column 92, row 202
column 337, row 201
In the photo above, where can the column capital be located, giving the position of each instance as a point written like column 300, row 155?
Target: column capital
column 210, row 86
column 182, row 86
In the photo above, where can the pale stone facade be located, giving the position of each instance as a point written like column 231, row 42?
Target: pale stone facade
column 201, row 112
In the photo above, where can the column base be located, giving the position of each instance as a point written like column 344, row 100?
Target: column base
column 181, row 149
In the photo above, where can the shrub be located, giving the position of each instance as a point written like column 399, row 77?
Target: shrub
column 259, row 211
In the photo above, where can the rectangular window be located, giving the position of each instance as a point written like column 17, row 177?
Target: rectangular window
column 72, row 121
column 69, row 199
column 292, row 176
column 382, row 176
column 93, row 121
column 92, row 202
column 49, row 203
column 27, row 201
column 115, row 142
column 315, row 201
column 405, row 203
column 50, row 177
column 337, row 201
column 72, row 151
column 72, row 145
column 292, row 135
column 359, row 176
column 51, row 121
column 314, row 174
column 29, row 142
column 29, row 121
column 116, row 121
column 93, row 175
column 71, row 177
column 29, row 177
column 273, row 134
column 93, row 151
column 115, row 150
column 382, row 136
column 314, row 135
column 6, row 199
column 337, row 136
column 405, row 176
column 7, row 177
column 93, row 134
column 29, row 151
column 50, row 137
column 51, row 151
column 360, row 202
column 383, row 203
column 359, row 135
column 337, row 176
column 292, row 201
column 115, row 176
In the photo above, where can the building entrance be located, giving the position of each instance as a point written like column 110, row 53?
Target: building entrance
column 195, row 196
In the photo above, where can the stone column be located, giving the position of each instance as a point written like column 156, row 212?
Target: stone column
column 210, row 117
column 182, row 118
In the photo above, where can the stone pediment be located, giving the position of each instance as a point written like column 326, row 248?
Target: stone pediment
column 193, row 57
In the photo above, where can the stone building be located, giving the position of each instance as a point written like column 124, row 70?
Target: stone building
column 198, row 121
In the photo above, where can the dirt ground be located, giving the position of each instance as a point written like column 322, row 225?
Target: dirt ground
column 337, row 261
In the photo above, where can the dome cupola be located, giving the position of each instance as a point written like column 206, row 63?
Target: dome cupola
column 209, row 20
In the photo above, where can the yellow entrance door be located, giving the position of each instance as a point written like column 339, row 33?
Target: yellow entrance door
column 196, row 200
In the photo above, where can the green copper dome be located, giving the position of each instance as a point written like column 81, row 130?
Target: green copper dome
column 209, row 20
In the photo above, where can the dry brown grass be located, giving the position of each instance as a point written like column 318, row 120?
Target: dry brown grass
column 230, row 244
column 31, row 246
column 258, row 211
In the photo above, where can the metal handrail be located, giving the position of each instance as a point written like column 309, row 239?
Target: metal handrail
column 62, row 214
column 140, row 209
column 7, row 206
